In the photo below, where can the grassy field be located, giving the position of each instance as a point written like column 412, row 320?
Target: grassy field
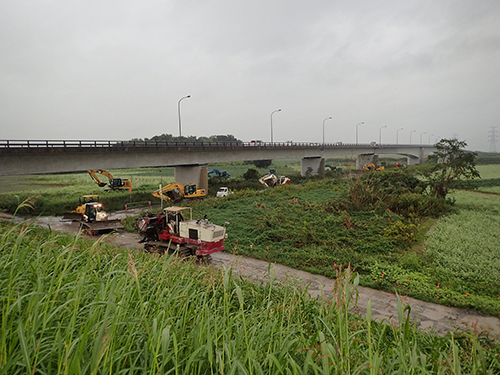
column 69, row 306
column 308, row 225
column 82, row 181
column 490, row 179
column 464, row 247
column 296, row 226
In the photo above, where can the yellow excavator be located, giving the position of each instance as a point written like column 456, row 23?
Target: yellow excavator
column 80, row 209
column 92, row 217
column 373, row 167
column 176, row 192
column 113, row 184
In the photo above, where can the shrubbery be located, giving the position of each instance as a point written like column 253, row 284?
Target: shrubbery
column 398, row 190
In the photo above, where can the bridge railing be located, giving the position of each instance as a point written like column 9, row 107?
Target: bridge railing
column 4, row 143
column 93, row 143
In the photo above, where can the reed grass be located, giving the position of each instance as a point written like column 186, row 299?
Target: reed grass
column 69, row 306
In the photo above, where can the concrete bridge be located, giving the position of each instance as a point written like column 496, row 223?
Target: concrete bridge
column 18, row 157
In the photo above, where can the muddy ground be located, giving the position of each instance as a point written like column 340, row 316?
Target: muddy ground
column 428, row 316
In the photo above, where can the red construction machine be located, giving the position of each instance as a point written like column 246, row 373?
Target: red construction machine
column 169, row 233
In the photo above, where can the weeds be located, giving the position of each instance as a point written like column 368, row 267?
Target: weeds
column 68, row 306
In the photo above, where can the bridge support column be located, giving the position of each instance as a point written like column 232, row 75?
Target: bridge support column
column 313, row 165
column 412, row 160
column 366, row 159
column 192, row 174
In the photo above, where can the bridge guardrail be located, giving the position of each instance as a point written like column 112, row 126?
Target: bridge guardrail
column 4, row 143
column 93, row 143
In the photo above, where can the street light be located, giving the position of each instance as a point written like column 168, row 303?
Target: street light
column 380, row 134
column 430, row 135
column 179, row 112
column 413, row 131
column 421, row 137
column 397, row 138
column 278, row 110
column 359, row 123
column 328, row 118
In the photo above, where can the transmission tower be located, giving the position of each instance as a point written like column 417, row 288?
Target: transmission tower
column 492, row 138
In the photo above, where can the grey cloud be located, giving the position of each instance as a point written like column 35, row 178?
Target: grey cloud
column 116, row 69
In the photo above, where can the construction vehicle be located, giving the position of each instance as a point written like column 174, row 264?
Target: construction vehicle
column 113, row 183
column 334, row 169
column 169, row 233
column 373, row 167
column 219, row 174
column 176, row 192
column 77, row 214
column 271, row 180
column 91, row 216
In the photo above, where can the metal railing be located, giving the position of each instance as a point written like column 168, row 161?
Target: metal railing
column 108, row 144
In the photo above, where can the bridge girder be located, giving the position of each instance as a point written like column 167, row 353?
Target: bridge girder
column 56, row 159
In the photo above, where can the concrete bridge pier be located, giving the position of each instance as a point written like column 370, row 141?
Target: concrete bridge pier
column 192, row 174
column 366, row 159
column 314, row 165
column 412, row 160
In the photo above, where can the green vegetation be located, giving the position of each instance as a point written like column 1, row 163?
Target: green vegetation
column 449, row 165
column 56, row 194
column 69, row 306
column 191, row 138
column 489, row 182
column 377, row 229
column 377, row 222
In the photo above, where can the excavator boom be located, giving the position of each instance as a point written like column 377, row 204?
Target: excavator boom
column 172, row 192
column 176, row 191
column 94, row 177
column 114, row 183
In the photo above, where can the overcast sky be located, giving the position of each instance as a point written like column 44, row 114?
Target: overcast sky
column 116, row 69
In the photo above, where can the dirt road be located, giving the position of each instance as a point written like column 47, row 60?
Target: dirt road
column 429, row 316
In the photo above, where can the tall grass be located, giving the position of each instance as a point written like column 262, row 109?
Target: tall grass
column 72, row 307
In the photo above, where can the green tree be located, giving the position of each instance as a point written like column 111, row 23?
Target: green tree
column 450, row 164
column 262, row 163
column 251, row 174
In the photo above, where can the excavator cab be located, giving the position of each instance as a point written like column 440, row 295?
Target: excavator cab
column 116, row 183
column 93, row 212
column 190, row 189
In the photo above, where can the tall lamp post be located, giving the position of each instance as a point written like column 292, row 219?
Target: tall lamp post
column 397, row 137
column 421, row 137
column 278, row 110
column 179, row 112
column 380, row 134
column 430, row 135
column 413, row 131
column 359, row 123
column 328, row 118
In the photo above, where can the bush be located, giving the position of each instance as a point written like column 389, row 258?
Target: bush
column 251, row 174
column 263, row 163
column 398, row 190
